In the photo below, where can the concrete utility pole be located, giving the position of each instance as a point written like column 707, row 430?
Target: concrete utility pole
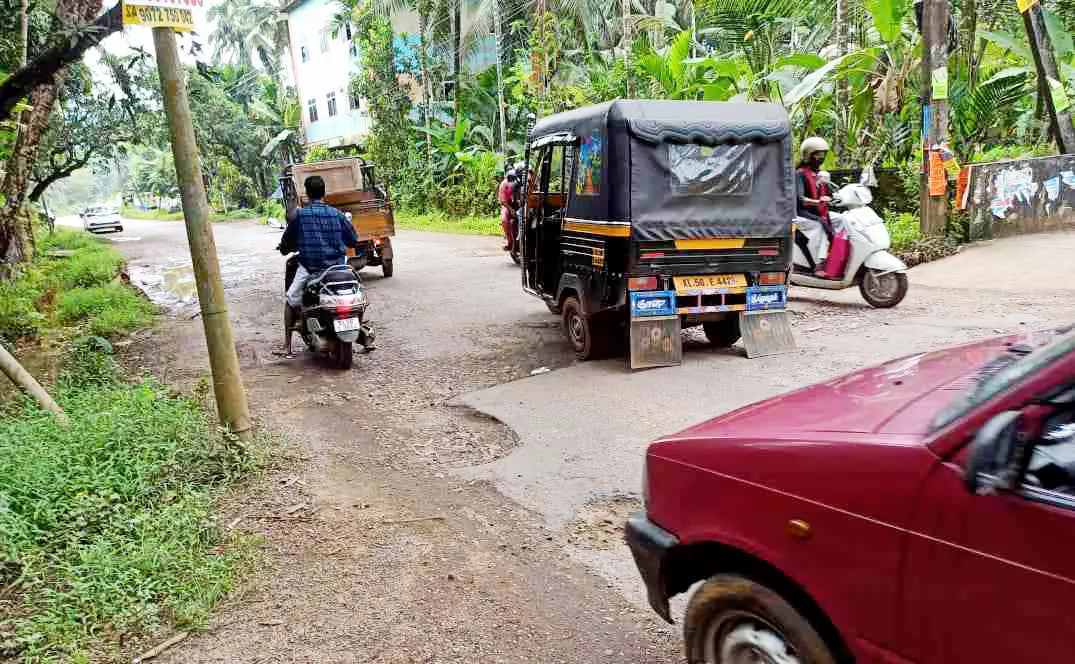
column 1045, row 61
column 223, row 359
column 934, row 107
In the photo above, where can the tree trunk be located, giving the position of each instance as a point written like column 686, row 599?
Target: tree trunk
column 427, row 85
column 43, row 69
column 457, row 55
column 16, row 235
column 969, row 29
column 843, row 91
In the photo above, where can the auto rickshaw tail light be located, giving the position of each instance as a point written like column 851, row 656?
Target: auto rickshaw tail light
column 642, row 283
column 770, row 278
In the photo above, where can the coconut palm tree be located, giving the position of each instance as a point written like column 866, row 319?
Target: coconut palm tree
column 247, row 29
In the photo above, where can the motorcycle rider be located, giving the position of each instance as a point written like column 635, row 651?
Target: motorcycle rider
column 813, row 195
column 321, row 235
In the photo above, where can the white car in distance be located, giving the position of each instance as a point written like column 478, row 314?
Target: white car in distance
column 98, row 218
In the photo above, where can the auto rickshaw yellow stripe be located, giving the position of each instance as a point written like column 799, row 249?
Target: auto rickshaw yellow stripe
column 597, row 229
column 712, row 243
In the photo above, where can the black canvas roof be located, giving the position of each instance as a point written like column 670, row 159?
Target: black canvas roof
column 658, row 121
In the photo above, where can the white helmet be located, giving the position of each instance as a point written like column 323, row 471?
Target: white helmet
column 812, row 145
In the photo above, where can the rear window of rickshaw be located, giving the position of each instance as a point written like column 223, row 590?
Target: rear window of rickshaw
column 717, row 170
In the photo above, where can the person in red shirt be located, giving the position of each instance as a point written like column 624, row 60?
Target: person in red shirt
column 506, row 196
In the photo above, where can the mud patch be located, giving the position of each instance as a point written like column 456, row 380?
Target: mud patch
column 599, row 524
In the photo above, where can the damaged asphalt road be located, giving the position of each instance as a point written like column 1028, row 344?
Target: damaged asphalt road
column 432, row 532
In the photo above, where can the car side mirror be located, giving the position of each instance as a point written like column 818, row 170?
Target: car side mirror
column 989, row 465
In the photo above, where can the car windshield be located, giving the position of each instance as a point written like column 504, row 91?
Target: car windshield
column 1006, row 370
column 98, row 211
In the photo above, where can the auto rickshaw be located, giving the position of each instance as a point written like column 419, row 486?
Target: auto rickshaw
column 351, row 187
column 647, row 217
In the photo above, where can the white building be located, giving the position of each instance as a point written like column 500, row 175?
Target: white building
column 323, row 65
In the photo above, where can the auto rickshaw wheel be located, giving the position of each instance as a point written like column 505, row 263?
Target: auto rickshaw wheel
column 585, row 337
column 387, row 267
column 722, row 333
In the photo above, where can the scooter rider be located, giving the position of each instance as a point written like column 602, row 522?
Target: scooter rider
column 813, row 196
column 321, row 235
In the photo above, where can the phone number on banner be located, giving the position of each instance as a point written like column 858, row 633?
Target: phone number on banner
column 158, row 17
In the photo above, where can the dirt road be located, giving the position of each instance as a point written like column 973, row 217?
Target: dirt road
column 397, row 558
column 424, row 531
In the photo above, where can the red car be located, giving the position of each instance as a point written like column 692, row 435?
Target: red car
column 920, row 511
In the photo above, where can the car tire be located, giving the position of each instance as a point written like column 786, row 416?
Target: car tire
column 731, row 614
column 586, row 338
column 722, row 333
column 870, row 287
column 119, row 229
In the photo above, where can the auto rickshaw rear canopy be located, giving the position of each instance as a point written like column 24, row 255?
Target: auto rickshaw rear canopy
column 678, row 169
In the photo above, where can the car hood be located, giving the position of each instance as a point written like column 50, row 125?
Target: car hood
column 901, row 396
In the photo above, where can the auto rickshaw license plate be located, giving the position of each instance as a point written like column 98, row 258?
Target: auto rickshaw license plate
column 709, row 282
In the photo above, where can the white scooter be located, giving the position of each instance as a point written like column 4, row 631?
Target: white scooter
column 880, row 276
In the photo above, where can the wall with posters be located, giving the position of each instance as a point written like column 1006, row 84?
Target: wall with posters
column 1020, row 196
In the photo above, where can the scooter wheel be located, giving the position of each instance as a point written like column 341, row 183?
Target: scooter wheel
column 343, row 355
column 883, row 291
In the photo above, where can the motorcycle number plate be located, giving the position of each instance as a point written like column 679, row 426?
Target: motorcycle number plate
column 346, row 324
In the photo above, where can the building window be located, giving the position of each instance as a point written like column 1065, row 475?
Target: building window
column 347, row 31
column 354, row 102
column 304, row 53
column 324, row 40
column 311, row 108
column 331, row 98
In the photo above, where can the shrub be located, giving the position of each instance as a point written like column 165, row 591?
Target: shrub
column 903, row 228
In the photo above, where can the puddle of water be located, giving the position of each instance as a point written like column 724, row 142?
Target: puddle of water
column 179, row 281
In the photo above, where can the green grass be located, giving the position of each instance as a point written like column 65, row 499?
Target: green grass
column 73, row 291
column 441, row 222
column 161, row 215
column 904, row 229
column 106, row 310
column 107, row 527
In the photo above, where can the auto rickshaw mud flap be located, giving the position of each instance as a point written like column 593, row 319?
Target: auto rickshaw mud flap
column 654, row 330
column 766, row 333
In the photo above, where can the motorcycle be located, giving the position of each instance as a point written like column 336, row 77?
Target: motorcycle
column 331, row 317
column 880, row 276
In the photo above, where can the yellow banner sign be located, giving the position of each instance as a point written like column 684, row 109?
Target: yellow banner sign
column 153, row 16
column 1025, row 5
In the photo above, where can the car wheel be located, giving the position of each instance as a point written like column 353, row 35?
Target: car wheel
column 734, row 620
column 119, row 229
column 722, row 333
column 585, row 337
column 883, row 290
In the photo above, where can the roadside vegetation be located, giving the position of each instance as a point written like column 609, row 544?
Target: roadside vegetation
column 73, row 286
column 240, row 214
column 442, row 222
column 108, row 533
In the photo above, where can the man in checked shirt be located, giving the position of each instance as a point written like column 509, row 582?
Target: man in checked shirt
column 321, row 235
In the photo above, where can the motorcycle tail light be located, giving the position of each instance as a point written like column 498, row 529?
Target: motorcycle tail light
column 770, row 278
column 642, row 283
